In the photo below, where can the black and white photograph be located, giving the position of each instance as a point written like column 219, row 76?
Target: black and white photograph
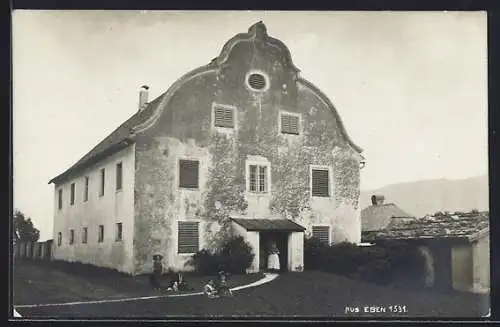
column 250, row 164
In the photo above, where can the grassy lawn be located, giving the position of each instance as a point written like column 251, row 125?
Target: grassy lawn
column 38, row 282
column 307, row 295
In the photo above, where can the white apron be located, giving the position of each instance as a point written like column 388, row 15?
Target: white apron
column 273, row 261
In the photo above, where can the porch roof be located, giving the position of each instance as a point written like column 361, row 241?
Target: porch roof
column 285, row 225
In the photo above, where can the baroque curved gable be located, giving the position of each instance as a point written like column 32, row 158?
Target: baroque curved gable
column 256, row 33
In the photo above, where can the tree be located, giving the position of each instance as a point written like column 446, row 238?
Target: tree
column 24, row 230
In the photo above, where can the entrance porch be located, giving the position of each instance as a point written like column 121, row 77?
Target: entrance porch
column 261, row 233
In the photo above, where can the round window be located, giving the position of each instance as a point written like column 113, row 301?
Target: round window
column 257, row 81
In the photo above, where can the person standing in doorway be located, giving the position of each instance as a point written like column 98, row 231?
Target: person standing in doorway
column 273, row 260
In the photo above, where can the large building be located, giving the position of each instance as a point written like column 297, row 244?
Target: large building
column 241, row 146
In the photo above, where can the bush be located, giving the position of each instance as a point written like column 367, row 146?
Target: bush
column 383, row 263
column 235, row 257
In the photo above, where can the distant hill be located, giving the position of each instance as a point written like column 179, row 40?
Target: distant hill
column 429, row 196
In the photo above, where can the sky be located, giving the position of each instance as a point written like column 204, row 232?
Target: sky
column 411, row 88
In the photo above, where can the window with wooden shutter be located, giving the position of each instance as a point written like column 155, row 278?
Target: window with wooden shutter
column 119, row 176
column 60, row 199
column 100, row 236
column 188, row 237
column 223, row 116
column 188, row 173
column 103, row 179
column 84, row 235
column 119, row 232
column 321, row 233
column 86, row 190
column 71, row 236
column 290, row 124
column 59, row 239
column 320, row 182
column 72, row 194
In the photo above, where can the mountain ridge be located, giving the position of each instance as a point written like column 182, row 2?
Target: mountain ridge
column 423, row 197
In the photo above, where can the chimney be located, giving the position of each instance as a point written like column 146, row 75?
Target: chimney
column 377, row 200
column 143, row 97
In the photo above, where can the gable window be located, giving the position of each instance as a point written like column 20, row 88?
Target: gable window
column 71, row 236
column 188, row 173
column 59, row 239
column 100, row 236
column 119, row 232
column 84, row 235
column 188, row 237
column 72, row 194
column 86, row 190
column 103, row 177
column 60, row 199
column 257, row 81
column 119, row 175
column 290, row 123
column 322, row 233
column 320, row 182
column 224, row 115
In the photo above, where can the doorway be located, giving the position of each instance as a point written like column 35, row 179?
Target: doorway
column 281, row 240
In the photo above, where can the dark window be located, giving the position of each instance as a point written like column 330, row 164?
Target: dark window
column 60, row 200
column 119, row 231
column 188, row 173
column 103, row 177
column 71, row 236
column 59, row 239
column 100, row 237
column 188, row 237
column 72, row 194
column 224, row 117
column 119, row 172
column 321, row 233
column 86, row 190
column 320, row 182
column 84, row 235
column 289, row 124
column 257, row 81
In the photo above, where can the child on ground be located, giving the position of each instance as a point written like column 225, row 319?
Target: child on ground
column 223, row 288
column 210, row 289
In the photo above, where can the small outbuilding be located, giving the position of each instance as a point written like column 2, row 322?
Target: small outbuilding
column 455, row 248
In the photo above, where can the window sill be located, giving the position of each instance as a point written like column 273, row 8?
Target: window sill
column 189, row 189
column 186, row 254
column 120, row 190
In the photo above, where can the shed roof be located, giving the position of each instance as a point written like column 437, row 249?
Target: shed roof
column 467, row 227
column 284, row 225
column 377, row 217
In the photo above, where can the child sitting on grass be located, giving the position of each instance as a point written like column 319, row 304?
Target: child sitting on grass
column 179, row 284
column 210, row 290
column 223, row 289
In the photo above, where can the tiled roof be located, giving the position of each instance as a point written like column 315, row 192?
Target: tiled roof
column 269, row 225
column 468, row 226
column 117, row 140
column 376, row 217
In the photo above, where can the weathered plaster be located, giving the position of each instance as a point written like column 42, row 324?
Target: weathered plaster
column 462, row 266
column 183, row 126
column 481, row 264
column 114, row 207
column 429, row 277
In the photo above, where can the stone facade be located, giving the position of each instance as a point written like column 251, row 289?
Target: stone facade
column 183, row 128
column 180, row 125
